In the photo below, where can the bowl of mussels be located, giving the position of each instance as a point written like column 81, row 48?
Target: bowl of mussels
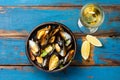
column 51, row 47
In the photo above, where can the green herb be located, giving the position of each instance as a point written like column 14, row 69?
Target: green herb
column 44, row 53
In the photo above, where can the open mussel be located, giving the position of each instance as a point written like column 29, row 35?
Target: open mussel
column 44, row 39
column 69, row 47
column 45, row 63
column 48, row 50
column 57, row 47
column 54, row 31
column 39, row 59
column 34, row 47
column 62, row 51
column 59, row 41
column 32, row 56
column 53, row 63
column 66, row 37
column 52, row 39
column 69, row 56
column 41, row 32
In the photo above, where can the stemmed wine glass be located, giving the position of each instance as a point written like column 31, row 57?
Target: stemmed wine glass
column 91, row 17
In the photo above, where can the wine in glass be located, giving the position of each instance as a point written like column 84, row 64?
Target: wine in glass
column 91, row 17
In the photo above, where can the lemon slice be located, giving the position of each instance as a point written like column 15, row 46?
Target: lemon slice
column 93, row 40
column 85, row 50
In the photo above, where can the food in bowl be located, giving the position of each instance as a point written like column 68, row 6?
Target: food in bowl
column 51, row 47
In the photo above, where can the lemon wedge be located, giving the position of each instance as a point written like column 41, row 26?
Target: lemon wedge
column 93, row 40
column 85, row 50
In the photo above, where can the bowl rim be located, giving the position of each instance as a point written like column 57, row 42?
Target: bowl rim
column 47, row 23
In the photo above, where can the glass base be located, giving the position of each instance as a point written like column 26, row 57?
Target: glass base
column 85, row 29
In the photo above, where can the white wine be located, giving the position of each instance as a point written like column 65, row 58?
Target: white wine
column 91, row 16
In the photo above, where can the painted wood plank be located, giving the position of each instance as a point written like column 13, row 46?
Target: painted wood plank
column 12, row 52
column 71, row 73
column 109, row 54
column 27, row 18
column 56, row 2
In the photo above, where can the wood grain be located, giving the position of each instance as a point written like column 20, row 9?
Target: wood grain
column 26, row 19
column 71, row 73
column 25, row 34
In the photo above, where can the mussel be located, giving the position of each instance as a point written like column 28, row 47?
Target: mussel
column 66, row 37
column 32, row 56
column 41, row 32
column 54, row 31
column 69, row 56
column 53, row 63
column 69, row 47
column 59, row 41
column 44, row 39
column 52, row 39
column 57, row 47
column 47, row 50
column 39, row 59
column 45, row 63
column 34, row 47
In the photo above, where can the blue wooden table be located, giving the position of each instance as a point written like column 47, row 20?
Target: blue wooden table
column 19, row 17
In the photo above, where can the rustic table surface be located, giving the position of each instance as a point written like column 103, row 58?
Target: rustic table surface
column 19, row 17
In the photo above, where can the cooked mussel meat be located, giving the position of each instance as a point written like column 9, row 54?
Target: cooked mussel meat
column 57, row 47
column 39, row 59
column 44, row 39
column 52, row 39
column 34, row 47
column 53, row 63
column 47, row 50
column 41, row 32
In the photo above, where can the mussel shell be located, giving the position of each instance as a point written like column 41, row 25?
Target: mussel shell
column 65, row 35
column 44, row 39
column 45, row 63
column 69, row 56
column 32, row 56
column 35, row 53
column 54, row 31
column 52, row 39
column 59, row 41
column 53, row 62
column 57, row 47
column 69, row 47
column 33, row 46
column 62, row 53
column 67, row 42
column 63, row 50
column 40, row 33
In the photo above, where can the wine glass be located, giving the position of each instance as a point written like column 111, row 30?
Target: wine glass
column 91, row 17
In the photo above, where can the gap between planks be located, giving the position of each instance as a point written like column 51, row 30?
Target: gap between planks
column 30, row 65
column 62, row 7
column 24, row 34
